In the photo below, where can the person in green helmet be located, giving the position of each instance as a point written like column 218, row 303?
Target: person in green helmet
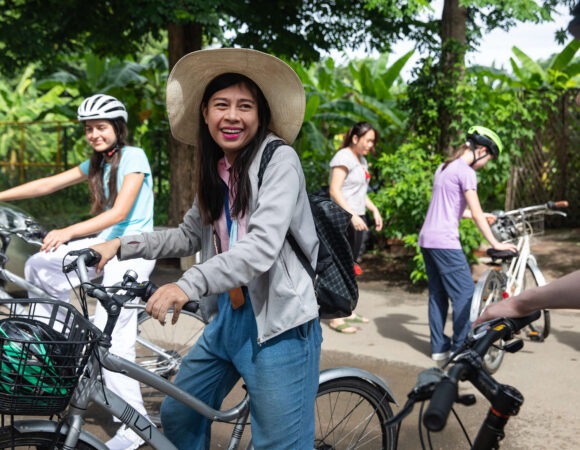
column 455, row 197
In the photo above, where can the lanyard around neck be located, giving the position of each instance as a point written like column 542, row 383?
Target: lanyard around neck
column 232, row 224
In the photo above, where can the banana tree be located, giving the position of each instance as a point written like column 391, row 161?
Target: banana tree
column 22, row 103
column 337, row 97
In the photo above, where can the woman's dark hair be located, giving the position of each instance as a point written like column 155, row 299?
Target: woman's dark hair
column 358, row 129
column 97, row 167
column 210, row 187
column 456, row 153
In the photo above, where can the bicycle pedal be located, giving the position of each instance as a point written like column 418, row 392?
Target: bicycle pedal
column 535, row 336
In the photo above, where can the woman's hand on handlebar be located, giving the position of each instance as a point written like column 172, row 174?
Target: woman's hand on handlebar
column 166, row 297
column 55, row 239
column 108, row 250
column 506, row 246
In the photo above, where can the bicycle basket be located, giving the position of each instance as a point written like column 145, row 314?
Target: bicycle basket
column 504, row 228
column 44, row 346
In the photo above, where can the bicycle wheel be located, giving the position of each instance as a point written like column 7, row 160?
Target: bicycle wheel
column 351, row 414
column 160, row 348
column 11, row 438
column 540, row 329
column 489, row 290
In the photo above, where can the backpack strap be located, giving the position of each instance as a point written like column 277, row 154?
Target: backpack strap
column 266, row 157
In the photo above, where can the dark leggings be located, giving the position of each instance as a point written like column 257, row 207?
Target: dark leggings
column 356, row 239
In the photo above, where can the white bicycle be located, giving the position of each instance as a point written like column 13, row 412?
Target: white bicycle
column 513, row 273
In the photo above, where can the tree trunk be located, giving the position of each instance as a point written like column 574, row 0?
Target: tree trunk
column 453, row 40
column 183, row 39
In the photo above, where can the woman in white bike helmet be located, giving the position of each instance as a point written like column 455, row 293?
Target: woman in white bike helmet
column 449, row 275
column 121, row 189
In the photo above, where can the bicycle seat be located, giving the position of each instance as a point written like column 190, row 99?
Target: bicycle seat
column 504, row 255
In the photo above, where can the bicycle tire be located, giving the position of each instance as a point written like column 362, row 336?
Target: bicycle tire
column 540, row 329
column 351, row 414
column 11, row 438
column 175, row 340
column 490, row 290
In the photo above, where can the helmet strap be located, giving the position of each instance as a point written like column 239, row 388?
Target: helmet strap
column 475, row 158
column 114, row 149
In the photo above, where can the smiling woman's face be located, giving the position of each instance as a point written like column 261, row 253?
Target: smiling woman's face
column 100, row 134
column 231, row 115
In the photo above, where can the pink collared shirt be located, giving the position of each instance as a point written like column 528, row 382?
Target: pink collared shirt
column 221, row 225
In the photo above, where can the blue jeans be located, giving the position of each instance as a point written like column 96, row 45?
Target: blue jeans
column 281, row 376
column 449, row 278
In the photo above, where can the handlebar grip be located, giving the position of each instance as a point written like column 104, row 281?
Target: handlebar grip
column 440, row 405
column 521, row 322
column 558, row 205
column 149, row 291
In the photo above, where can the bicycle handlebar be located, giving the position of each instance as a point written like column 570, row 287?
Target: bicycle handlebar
column 549, row 207
column 132, row 288
column 468, row 365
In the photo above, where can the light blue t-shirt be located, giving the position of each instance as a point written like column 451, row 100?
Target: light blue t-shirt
column 140, row 218
column 441, row 227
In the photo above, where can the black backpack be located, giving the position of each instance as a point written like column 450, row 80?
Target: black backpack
column 334, row 279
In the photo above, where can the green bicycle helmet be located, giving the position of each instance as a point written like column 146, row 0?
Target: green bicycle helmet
column 32, row 359
column 484, row 136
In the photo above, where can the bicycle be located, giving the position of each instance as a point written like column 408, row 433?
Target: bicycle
column 440, row 387
column 345, row 393
column 515, row 272
column 159, row 349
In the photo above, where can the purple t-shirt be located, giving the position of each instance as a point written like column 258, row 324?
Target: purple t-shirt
column 441, row 226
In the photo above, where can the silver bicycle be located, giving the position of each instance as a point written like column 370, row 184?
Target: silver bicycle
column 352, row 406
column 159, row 349
column 512, row 273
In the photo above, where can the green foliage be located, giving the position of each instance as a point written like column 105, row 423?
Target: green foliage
column 338, row 97
column 295, row 29
column 517, row 106
column 404, row 197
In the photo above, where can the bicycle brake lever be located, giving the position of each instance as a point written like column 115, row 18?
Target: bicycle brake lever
column 426, row 382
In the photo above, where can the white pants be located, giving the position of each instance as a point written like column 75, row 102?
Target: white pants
column 44, row 269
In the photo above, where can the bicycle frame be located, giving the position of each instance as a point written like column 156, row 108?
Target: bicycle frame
column 517, row 266
column 90, row 389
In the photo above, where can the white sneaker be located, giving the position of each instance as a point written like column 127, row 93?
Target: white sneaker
column 125, row 439
column 441, row 358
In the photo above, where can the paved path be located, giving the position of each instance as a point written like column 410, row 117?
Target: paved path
column 395, row 345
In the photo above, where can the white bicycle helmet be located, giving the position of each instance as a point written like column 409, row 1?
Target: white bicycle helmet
column 101, row 106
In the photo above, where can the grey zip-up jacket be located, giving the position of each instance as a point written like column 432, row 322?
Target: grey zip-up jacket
column 281, row 291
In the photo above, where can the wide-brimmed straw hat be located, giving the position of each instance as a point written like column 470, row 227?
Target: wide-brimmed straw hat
column 192, row 73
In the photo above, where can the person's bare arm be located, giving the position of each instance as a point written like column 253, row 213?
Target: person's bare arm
column 563, row 293
column 375, row 212
column 337, row 177
column 123, row 203
column 480, row 220
column 44, row 186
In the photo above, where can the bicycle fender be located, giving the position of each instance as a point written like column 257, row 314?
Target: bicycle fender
column 538, row 275
column 50, row 427
column 354, row 372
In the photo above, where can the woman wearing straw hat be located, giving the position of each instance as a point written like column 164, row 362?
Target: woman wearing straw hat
column 230, row 103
